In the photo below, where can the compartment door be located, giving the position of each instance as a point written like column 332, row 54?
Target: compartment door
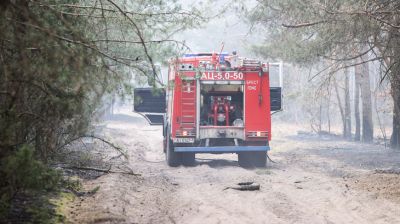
column 276, row 82
column 276, row 98
column 150, row 103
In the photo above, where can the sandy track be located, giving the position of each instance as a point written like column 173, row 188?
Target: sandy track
column 313, row 181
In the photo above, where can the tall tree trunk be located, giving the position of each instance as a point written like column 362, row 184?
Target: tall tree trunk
column 340, row 107
column 395, row 83
column 395, row 139
column 329, row 110
column 367, row 123
column 357, row 77
column 320, row 117
column 347, row 109
column 394, row 77
column 21, row 92
column 395, row 87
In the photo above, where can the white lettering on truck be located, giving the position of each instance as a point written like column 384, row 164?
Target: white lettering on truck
column 252, row 84
column 222, row 76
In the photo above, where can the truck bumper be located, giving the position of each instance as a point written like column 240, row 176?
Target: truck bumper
column 222, row 149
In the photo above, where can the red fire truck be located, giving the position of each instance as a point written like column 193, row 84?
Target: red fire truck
column 213, row 103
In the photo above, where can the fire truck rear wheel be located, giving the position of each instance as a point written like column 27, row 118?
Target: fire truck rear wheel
column 244, row 159
column 260, row 159
column 252, row 159
column 173, row 158
column 188, row 159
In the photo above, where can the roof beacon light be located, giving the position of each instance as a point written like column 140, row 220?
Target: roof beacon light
column 222, row 59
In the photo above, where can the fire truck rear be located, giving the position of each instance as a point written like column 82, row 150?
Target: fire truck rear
column 215, row 103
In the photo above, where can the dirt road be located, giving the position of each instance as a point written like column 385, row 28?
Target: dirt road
column 312, row 181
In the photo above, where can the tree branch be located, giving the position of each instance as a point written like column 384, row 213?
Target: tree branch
column 299, row 25
column 101, row 170
column 139, row 33
column 120, row 150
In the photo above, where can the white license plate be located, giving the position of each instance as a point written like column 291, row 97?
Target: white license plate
column 183, row 140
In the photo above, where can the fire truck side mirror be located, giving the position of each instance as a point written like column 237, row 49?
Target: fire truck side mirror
column 150, row 102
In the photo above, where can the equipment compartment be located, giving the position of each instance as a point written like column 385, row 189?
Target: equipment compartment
column 221, row 105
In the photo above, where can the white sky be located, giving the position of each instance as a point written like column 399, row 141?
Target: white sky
column 229, row 29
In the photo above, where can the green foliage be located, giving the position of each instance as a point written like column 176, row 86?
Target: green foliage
column 26, row 172
column 43, row 212
column 72, row 184
column 23, row 172
column 4, row 206
column 305, row 31
column 94, row 190
column 59, row 60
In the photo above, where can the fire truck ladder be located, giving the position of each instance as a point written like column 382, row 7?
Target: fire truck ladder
column 188, row 107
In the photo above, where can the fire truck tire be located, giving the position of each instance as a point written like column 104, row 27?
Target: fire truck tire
column 165, row 145
column 252, row 159
column 259, row 159
column 244, row 159
column 173, row 158
column 188, row 159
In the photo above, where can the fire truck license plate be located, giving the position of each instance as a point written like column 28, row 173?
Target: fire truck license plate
column 183, row 140
column 222, row 76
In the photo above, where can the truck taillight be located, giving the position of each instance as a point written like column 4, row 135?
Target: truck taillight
column 185, row 133
column 257, row 134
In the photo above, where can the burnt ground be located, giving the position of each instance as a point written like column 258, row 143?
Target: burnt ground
column 313, row 180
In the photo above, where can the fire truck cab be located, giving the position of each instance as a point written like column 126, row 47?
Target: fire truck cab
column 214, row 103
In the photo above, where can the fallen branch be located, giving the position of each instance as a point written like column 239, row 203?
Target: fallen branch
column 83, row 193
column 388, row 171
column 108, row 143
column 120, row 150
column 245, row 186
column 102, row 170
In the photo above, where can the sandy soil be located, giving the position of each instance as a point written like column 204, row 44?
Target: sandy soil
column 314, row 180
